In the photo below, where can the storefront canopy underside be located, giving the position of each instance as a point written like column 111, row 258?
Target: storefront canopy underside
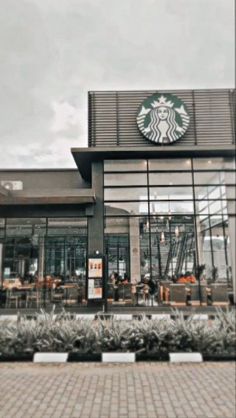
column 60, row 196
column 84, row 157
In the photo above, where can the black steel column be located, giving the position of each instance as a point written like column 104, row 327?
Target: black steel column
column 96, row 222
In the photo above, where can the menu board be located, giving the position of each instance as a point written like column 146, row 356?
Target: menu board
column 95, row 289
column 95, row 278
column 95, row 267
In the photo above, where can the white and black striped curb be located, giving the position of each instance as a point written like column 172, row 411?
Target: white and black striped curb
column 117, row 357
column 121, row 317
column 114, row 357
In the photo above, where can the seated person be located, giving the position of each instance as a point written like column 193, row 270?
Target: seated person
column 187, row 278
column 125, row 280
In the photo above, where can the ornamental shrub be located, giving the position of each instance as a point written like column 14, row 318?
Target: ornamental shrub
column 64, row 333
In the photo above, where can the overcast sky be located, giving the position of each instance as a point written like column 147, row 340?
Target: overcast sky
column 53, row 51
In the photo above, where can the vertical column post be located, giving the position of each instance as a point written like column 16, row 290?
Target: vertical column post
column 1, row 263
column 232, row 229
column 134, row 240
column 96, row 222
column 41, row 259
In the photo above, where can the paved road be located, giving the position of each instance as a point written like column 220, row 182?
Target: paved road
column 95, row 390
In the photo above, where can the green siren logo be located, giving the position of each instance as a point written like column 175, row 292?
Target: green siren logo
column 163, row 118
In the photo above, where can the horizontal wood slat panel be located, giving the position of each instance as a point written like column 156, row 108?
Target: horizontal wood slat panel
column 112, row 117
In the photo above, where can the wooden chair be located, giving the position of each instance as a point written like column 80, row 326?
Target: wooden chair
column 12, row 298
column 33, row 297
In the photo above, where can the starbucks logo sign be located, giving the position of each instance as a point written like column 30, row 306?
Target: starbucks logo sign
column 163, row 118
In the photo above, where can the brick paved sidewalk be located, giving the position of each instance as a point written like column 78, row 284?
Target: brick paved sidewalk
column 94, row 390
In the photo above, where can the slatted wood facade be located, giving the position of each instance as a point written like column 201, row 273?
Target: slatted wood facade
column 112, row 118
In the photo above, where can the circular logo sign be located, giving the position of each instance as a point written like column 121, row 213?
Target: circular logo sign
column 163, row 118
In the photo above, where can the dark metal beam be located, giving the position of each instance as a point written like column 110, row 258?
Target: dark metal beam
column 85, row 156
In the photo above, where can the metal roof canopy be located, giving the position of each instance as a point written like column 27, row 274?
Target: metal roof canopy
column 84, row 157
column 42, row 197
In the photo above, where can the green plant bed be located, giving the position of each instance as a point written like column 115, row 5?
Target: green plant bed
column 148, row 338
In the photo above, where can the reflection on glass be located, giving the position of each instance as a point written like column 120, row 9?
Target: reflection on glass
column 210, row 192
column 171, row 193
column 173, row 246
column 134, row 193
column 171, row 206
column 214, row 248
column 67, row 226
column 231, row 192
column 21, row 255
column 170, row 179
column 125, row 165
column 231, row 207
column 129, row 179
column 211, row 206
column 25, row 226
column 2, row 227
column 126, row 208
column 169, row 165
column 66, row 257
column 211, row 177
column 117, row 250
column 213, row 163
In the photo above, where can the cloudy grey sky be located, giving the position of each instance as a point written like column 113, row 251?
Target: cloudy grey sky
column 53, row 51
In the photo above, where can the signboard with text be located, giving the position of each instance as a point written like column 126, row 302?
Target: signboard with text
column 95, row 278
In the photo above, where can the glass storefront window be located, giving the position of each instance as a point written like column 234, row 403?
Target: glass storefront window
column 2, row 228
column 166, row 227
column 134, row 193
column 170, row 179
column 230, row 177
column 210, row 192
column 129, row 179
column 65, row 257
column 231, row 207
column 231, row 192
column 66, row 226
column 214, row 243
column 169, row 165
column 171, row 207
column 22, row 249
column 211, row 206
column 213, row 164
column 171, row 193
column 126, row 208
column 125, row 165
column 31, row 256
column 211, row 177
column 25, row 227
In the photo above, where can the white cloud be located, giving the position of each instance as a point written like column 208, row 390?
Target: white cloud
column 53, row 51
column 65, row 116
